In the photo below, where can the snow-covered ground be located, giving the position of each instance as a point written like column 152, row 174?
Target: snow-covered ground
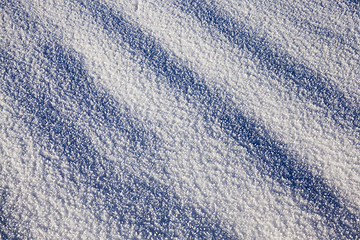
column 180, row 119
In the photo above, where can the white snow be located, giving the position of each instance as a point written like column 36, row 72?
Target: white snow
column 207, row 169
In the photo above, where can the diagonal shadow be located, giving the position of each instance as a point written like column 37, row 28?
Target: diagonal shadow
column 131, row 200
column 327, row 34
column 152, row 208
column 8, row 225
column 273, row 158
column 307, row 83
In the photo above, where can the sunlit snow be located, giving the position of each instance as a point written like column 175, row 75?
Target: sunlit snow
column 180, row 119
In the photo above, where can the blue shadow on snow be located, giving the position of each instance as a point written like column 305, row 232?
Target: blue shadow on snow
column 273, row 159
column 296, row 77
column 142, row 202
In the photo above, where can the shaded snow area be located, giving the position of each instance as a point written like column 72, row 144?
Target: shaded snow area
column 179, row 119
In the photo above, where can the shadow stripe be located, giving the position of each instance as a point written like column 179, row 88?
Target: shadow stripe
column 5, row 227
column 273, row 158
column 327, row 35
column 76, row 86
column 145, row 203
column 8, row 224
column 154, row 210
column 296, row 77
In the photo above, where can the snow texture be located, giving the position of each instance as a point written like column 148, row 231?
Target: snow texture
column 179, row 119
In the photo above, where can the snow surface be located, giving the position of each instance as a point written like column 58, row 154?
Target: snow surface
column 180, row 119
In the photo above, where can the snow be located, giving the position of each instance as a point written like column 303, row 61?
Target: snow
column 179, row 120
